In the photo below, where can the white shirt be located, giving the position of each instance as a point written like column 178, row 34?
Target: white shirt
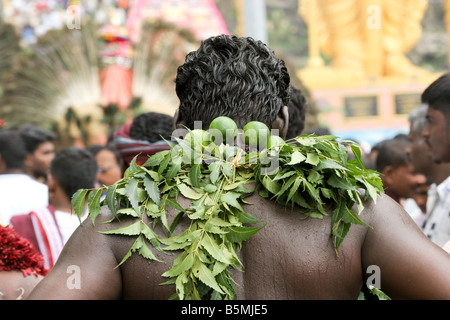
column 67, row 223
column 437, row 225
column 20, row 194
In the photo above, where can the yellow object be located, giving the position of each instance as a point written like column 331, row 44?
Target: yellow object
column 363, row 38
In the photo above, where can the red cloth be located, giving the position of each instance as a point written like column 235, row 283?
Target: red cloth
column 129, row 148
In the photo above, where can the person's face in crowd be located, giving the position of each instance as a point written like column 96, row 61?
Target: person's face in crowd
column 418, row 152
column 403, row 181
column 40, row 160
column 109, row 170
column 437, row 135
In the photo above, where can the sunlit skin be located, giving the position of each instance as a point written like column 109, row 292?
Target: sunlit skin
column 437, row 135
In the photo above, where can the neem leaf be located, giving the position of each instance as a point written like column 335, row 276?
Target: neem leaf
column 188, row 192
column 156, row 159
column 205, row 275
column 239, row 234
column 111, row 198
column 217, row 252
column 231, row 199
column 78, row 201
column 195, row 175
column 94, row 203
column 313, row 159
column 131, row 189
column 183, row 263
column 152, row 189
column 214, row 169
column 296, row 158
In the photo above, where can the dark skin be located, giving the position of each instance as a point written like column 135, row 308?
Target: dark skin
column 290, row 258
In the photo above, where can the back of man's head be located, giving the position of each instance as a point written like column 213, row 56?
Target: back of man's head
column 12, row 149
column 437, row 95
column 74, row 168
column 235, row 77
column 152, row 127
column 392, row 153
column 33, row 136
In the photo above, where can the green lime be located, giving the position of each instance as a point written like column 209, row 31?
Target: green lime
column 197, row 137
column 256, row 135
column 275, row 141
column 225, row 128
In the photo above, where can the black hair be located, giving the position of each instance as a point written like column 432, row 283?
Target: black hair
column 392, row 152
column 12, row 149
column 297, row 112
column 152, row 127
column 33, row 136
column 437, row 95
column 74, row 169
column 235, row 77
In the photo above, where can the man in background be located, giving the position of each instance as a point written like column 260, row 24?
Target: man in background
column 40, row 148
column 19, row 192
column 49, row 228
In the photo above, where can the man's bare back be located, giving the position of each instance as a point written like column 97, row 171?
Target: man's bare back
column 290, row 258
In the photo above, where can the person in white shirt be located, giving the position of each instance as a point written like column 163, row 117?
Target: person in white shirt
column 437, row 136
column 49, row 228
column 436, row 173
column 19, row 193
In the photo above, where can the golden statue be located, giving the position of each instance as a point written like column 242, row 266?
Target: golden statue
column 369, row 37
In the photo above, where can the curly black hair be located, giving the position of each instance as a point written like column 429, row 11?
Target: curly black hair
column 235, row 77
column 151, row 127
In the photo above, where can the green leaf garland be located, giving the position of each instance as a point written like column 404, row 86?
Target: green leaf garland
column 312, row 174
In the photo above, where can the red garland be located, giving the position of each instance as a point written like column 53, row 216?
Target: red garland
column 17, row 253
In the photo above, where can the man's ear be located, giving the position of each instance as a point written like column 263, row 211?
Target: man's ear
column 282, row 122
column 179, row 125
column 177, row 120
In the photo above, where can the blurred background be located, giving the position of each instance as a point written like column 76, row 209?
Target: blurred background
column 84, row 68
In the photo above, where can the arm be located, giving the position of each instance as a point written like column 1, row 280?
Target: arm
column 85, row 269
column 411, row 266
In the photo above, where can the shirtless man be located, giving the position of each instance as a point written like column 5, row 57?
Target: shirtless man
column 291, row 257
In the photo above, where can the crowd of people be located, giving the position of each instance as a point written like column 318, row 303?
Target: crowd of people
column 37, row 183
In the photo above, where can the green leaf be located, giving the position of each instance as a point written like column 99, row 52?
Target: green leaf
column 133, row 168
column 357, row 154
column 188, row 192
column 210, row 188
column 217, row 252
column 296, row 158
column 183, row 263
column 111, row 197
column 230, row 198
column 156, row 159
column 152, row 189
column 94, row 203
column 214, row 169
column 128, row 211
column 173, row 170
column 78, row 201
column 340, row 183
column 271, row 185
column 205, row 275
column 195, row 175
column 312, row 159
column 131, row 189
column 226, row 169
column 130, row 230
column 239, row 234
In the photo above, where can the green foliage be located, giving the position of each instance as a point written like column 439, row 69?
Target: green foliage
column 312, row 175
